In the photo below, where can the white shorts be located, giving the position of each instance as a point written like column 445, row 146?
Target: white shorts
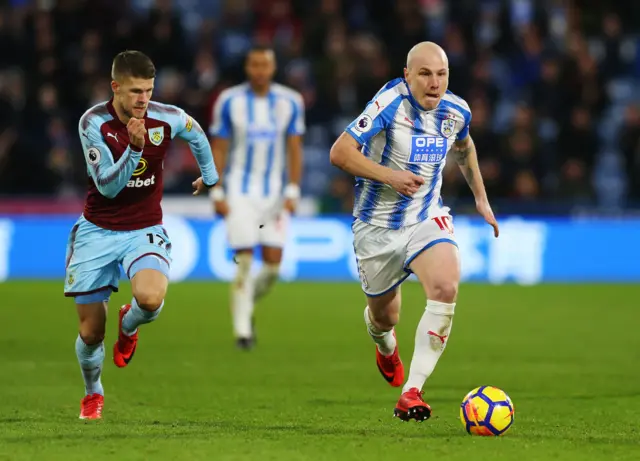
column 384, row 255
column 256, row 221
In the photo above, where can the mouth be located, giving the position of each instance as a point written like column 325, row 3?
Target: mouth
column 432, row 95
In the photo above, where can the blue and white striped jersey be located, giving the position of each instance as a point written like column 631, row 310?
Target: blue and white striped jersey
column 395, row 131
column 258, row 128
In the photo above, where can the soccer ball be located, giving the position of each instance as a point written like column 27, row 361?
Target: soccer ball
column 487, row 411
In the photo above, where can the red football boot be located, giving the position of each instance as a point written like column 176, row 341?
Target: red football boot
column 91, row 407
column 411, row 406
column 125, row 346
column 391, row 367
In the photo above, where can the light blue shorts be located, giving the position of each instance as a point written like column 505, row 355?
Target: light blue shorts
column 94, row 256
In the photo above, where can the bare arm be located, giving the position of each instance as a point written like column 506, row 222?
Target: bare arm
column 345, row 154
column 220, row 148
column 294, row 148
column 467, row 159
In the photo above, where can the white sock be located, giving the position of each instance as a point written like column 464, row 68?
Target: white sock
column 385, row 341
column 265, row 280
column 431, row 339
column 242, row 297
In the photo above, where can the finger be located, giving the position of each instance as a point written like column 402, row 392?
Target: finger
column 418, row 179
column 496, row 230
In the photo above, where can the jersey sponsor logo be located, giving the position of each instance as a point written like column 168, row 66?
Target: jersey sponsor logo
column 427, row 149
column 156, row 135
column 139, row 182
column 141, row 168
column 363, row 124
column 447, row 127
column 189, row 125
column 258, row 133
column 93, row 155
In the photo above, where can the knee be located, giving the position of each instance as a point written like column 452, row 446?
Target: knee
column 385, row 320
column 444, row 291
column 244, row 261
column 150, row 298
column 91, row 334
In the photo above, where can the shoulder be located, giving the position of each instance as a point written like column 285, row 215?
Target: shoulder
column 160, row 110
column 95, row 117
column 232, row 92
column 456, row 102
column 286, row 92
column 393, row 90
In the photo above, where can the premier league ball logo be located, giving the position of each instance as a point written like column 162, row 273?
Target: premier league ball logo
column 364, row 123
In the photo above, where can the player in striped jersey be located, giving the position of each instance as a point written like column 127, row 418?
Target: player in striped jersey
column 397, row 149
column 260, row 124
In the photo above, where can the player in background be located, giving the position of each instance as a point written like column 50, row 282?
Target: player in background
column 397, row 149
column 256, row 132
column 125, row 141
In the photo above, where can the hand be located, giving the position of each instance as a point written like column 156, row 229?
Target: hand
column 199, row 187
column 136, row 130
column 405, row 182
column 486, row 212
column 290, row 205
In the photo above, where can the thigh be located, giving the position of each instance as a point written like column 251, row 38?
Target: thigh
column 380, row 254
column 91, row 260
column 148, row 248
column 243, row 226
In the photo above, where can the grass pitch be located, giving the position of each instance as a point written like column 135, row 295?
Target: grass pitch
column 566, row 355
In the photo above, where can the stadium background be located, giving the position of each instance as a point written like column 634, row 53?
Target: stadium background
column 553, row 87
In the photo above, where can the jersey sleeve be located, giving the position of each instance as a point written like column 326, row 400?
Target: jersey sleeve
column 376, row 117
column 296, row 125
column 109, row 177
column 221, row 121
column 464, row 132
column 189, row 130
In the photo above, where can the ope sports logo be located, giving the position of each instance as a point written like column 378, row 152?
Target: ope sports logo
column 427, row 149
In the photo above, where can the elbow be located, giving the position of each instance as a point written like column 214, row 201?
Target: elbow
column 336, row 156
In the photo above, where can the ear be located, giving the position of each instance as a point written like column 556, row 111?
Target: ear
column 115, row 86
column 406, row 73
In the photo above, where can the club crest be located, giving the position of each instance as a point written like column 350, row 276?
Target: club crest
column 156, row 135
column 447, row 127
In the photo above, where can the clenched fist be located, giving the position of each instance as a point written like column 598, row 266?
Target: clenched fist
column 136, row 130
column 405, row 182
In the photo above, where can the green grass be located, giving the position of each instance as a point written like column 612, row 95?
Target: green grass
column 567, row 356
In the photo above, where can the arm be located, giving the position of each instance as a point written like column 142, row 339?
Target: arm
column 346, row 155
column 467, row 159
column 200, row 148
column 295, row 131
column 109, row 177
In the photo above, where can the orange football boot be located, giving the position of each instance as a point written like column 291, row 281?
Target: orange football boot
column 91, row 407
column 391, row 367
column 125, row 346
column 412, row 406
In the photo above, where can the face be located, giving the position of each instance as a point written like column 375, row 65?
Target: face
column 428, row 79
column 133, row 95
column 260, row 67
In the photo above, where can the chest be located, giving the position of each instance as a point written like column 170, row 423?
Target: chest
column 260, row 119
column 424, row 139
column 156, row 141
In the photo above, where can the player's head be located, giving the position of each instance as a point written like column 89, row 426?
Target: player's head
column 427, row 73
column 132, row 75
column 260, row 65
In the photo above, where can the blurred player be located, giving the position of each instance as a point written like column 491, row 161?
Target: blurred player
column 125, row 141
column 396, row 149
column 263, row 122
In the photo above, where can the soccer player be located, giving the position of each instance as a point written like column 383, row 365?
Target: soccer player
column 125, row 141
column 263, row 122
column 397, row 149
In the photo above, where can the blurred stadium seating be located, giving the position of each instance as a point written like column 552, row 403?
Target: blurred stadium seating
column 553, row 86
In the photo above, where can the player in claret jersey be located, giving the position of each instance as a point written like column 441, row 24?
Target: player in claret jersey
column 125, row 141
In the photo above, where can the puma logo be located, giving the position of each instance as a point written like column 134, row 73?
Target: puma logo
column 436, row 335
column 115, row 136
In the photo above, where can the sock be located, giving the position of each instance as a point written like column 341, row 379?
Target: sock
column 242, row 297
column 138, row 316
column 385, row 341
column 90, row 358
column 431, row 339
column 267, row 277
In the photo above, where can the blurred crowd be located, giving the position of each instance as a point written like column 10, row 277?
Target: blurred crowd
column 552, row 85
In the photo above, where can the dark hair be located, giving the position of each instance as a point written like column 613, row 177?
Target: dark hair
column 259, row 49
column 132, row 63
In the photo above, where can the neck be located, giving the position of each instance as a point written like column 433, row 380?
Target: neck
column 260, row 90
column 122, row 116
